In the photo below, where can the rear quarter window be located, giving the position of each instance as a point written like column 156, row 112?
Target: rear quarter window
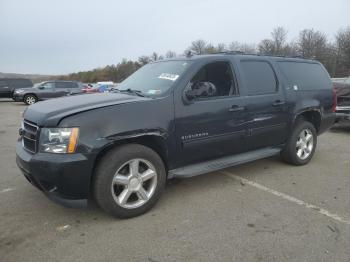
column 305, row 76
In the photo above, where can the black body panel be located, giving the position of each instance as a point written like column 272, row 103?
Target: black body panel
column 211, row 132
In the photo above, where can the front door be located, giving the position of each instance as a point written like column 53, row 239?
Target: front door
column 212, row 124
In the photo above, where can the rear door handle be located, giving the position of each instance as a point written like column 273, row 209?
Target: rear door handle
column 236, row 108
column 278, row 103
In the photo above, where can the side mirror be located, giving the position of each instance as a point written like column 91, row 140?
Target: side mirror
column 41, row 87
column 199, row 90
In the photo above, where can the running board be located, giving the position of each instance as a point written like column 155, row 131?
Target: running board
column 221, row 163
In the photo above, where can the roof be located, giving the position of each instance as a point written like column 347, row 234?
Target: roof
column 242, row 55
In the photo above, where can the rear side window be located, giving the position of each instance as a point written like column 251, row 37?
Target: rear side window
column 3, row 83
column 19, row 83
column 259, row 77
column 61, row 85
column 306, row 76
column 66, row 85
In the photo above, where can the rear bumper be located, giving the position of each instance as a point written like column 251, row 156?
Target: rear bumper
column 327, row 122
column 65, row 179
column 343, row 113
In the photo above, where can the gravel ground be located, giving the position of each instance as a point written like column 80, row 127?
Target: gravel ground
column 261, row 211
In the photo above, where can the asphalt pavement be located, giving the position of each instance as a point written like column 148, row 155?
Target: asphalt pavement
column 262, row 211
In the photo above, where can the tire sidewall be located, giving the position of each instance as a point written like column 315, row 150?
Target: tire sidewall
column 105, row 172
column 291, row 154
column 25, row 99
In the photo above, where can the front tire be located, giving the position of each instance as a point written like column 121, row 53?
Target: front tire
column 129, row 180
column 30, row 99
column 301, row 145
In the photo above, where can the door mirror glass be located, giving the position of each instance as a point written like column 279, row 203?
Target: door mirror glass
column 41, row 87
column 200, row 90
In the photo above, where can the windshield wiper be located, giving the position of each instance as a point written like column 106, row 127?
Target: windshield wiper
column 131, row 91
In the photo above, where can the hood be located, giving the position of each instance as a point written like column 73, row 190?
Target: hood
column 50, row 112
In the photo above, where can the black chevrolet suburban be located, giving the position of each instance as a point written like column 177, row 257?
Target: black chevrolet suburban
column 8, row 85
column 174, row 119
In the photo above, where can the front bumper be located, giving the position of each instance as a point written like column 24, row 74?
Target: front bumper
column 64, row 178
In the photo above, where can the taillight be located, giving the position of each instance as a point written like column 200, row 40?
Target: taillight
column 334, row 106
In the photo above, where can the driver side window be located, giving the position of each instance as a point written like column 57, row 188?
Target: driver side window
column 48, row 85
column 213, row 80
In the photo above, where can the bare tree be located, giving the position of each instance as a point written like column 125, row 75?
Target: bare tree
column 342, row 47
column 170, row 54
column 266, row 46
column 311, row 43
column 143, row 60
column 155, row 57
column 279, row 39
column 277, row 45
column 198, row 47
column 242, row 47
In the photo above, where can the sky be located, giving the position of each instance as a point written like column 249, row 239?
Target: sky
column 65, row 36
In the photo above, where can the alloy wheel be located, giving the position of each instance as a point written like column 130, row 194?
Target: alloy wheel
column 30, row 100
column 134, row 183
column 305, row 144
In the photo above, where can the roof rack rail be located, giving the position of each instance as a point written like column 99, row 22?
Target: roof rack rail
column 256, row 54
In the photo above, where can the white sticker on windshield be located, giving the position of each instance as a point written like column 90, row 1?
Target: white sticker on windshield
column 167, row 76
column 154, row 92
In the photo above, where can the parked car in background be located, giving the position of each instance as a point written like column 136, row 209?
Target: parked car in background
column 8, row 85
column 342, row 89
column 121, row 147
column 90, row 88
column 47, row 90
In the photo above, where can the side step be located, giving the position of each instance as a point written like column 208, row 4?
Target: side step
column 221, row 163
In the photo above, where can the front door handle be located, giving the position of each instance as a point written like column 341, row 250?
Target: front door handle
column 278, row 103
column 236, row 108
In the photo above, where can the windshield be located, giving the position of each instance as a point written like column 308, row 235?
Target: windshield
column 154, row 79
column 37, row 85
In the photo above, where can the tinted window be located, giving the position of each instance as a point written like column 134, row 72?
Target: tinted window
column 306, row 76
column 213, row 80
column 3, row 83
column 66, row 85
column 47, row 85
column 18, row 83
column 259, row 77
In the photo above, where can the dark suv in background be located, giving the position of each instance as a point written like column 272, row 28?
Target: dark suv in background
column 174, row 118
column 47, row 90
column 8, row 85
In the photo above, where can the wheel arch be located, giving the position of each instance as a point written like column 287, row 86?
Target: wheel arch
column 154, row 140
column 30, row 94
column 313, row 116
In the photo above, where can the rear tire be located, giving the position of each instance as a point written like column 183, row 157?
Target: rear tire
column 30, row 99
column 301, row 145
column 129, row 180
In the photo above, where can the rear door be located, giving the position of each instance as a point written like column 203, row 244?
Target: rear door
column 62, row 88
column 74, row 88
column 266, row 106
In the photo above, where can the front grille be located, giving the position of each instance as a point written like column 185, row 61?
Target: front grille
column 30, row 136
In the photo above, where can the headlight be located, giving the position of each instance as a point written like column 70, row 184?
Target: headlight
column 59, row 140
